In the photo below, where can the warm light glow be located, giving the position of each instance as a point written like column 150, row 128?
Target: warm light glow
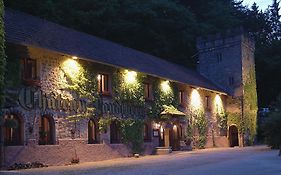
column 174, row 127
column 219, row 105
column 161, row 129
column 75, row 57
column 157, row 125
column 130, row 77
column 196, row 104
column 71, row 67
column 99, row 77
column 165, row 86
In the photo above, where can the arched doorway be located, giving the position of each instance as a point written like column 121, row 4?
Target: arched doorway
column 46, row 130
column 13, row 130
column 92, row 132
column 115, row 135
column 233, row 136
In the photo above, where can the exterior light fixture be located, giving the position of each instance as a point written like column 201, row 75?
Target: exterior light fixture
column 165, row 86
column 130, row 77
column 99, row 77
column 71, row 67
column 195, row 98
column 219, row 108
column 74, row 57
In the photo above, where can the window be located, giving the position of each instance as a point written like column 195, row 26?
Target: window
column 115, row 136
column 30, row 70
column 13, row 130
column 231, row 81
column 219, row 57
column 46, row 130
column 207, row 102
column 146, row 133
column 181, row 97
column 92, row 132
column 147, row 91
column 103, row 84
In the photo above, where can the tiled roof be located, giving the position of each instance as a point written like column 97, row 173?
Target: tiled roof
column 22, row 28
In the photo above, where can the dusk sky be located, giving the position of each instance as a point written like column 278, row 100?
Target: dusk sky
column 263, row 4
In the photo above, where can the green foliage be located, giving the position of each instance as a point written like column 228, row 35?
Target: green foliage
column 222, row 121
column 2, row 55
column 12, row 74
column 128, row 92
column 235, row 119
column 131, row 131
column 250, row 106
column 272, row 129
column 132, row 134
column 162, row 99
column 201, row 124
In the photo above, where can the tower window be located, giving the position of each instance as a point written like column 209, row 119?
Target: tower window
column 231, row 81
column 219, row 57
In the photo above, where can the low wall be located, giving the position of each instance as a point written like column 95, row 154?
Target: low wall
column 63, row 153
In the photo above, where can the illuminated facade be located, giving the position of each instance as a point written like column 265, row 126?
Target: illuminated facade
column 54, row 107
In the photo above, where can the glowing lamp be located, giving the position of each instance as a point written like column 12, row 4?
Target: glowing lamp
column 219, row 105
column 71, row 67
column 74, row 57
column 130, row 77
column 165, row 86
column 99, row 77
column 195, row 100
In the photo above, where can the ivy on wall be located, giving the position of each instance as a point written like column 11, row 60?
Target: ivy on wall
column 250, row 107
column 128, row 92
column 235, row 119
column 162, row 98
column 131, row 131
column 201, row 124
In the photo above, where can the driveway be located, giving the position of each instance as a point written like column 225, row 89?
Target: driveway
column 219, row 161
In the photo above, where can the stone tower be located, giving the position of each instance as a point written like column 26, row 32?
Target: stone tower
column 228, row 61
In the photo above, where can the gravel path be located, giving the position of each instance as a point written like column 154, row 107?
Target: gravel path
column 220, row 161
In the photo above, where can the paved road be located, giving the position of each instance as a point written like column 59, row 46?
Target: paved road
column 220, row 161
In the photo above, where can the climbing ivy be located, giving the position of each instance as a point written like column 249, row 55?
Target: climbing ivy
column 235, row 119
column 250, row 107
column 128, row 92
column 161, row 98
column 201, row 124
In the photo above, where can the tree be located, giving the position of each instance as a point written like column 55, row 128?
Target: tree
column 272, row 127
column 2, row 73
column 275, row 20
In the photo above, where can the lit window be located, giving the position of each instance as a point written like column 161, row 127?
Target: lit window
column 92, row 132
column 207, row 101
column 103, row 83
column 46, row 130
column 147, row 91
column 13, row 130
column 181, row 97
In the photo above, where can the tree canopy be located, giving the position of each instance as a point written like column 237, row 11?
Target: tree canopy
column 169, row 28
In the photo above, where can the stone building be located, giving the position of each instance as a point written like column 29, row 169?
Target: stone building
column 69, row 96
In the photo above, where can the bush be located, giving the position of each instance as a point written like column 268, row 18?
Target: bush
column 272, row 130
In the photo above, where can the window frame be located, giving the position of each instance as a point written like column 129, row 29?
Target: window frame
column 101, row 84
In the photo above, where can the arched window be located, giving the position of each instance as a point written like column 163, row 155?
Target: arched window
column 146, row 133
column 46, row 130
column 13, row 130
column 115, row 136
column 92, row 132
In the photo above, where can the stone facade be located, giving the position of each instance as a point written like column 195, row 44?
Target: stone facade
column 228, row 61
column 220, row 58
